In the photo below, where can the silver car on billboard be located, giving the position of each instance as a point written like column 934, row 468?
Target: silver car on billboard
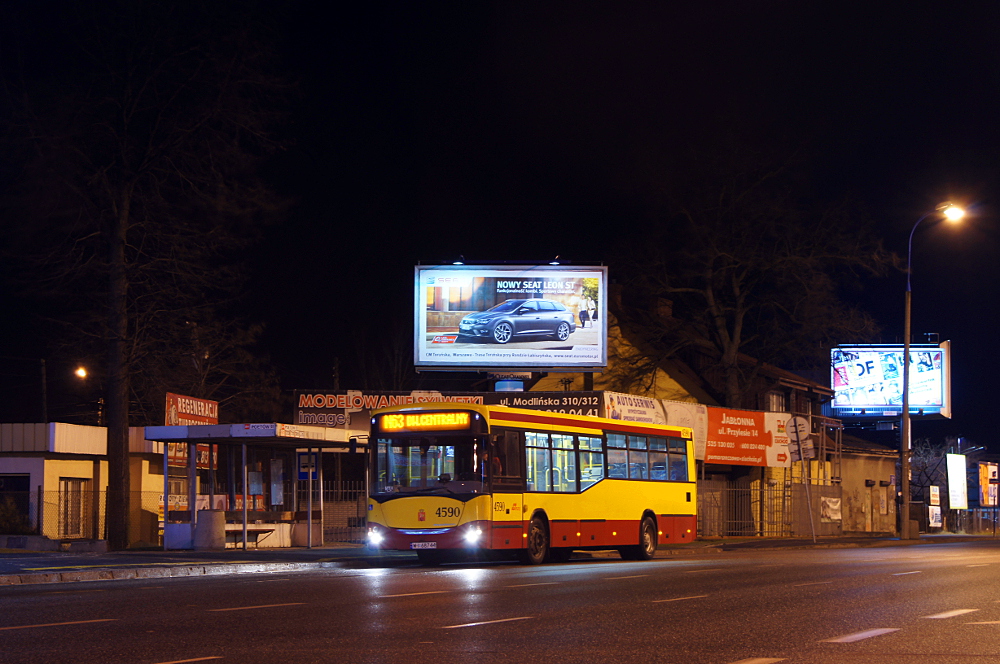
column 520, row 318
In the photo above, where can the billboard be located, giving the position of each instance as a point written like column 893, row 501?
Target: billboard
column 867, row 380
column 472, row 317
column 185, row 410
column 747, row 438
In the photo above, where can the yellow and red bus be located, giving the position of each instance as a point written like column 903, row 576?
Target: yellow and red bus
column 450, row 479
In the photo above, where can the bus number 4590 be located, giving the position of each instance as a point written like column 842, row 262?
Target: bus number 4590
column 447, row 512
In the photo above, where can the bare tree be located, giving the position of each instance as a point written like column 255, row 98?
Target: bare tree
column 740, row 266
column 141, row 154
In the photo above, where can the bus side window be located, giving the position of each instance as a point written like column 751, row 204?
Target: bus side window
column 617, row 463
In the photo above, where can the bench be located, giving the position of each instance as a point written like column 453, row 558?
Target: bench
column 234, row 533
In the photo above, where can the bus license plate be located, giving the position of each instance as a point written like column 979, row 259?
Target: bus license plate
column 423, row 545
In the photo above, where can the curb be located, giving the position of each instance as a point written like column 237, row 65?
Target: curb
column 156, row 572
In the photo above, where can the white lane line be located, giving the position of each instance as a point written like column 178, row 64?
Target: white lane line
column 428, row 592
column 760, row 660
column 905, row 573
column 260, row 606
column 528, row 585
column 814, row 583
column 707, row 569
column 487, row 622
column 949, row 614
column 678, row 599
column 196, row 659
column 987, row 622
column 979, row 565
column 859, row 636
column 635, row 576
column 74, row 622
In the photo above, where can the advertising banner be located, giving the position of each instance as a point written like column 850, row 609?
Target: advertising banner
column 747, row 438
column 987, row 485
column 691, row 415
column 632, row 408
column 185, row 410
column 589, row 404
column 351, row 410
column 511, row 317
column 868, row 380
column 958, row 491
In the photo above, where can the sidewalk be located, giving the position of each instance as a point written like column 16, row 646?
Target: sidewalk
column 22, row 567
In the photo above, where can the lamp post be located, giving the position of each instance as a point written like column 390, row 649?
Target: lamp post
column 951, row 213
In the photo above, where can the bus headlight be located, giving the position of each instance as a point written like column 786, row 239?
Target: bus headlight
column 473, row 535
column 375, row 538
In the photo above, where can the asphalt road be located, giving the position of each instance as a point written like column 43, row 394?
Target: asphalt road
column 932, row 603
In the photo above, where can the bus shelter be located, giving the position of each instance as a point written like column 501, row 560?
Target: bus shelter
column 313, row 440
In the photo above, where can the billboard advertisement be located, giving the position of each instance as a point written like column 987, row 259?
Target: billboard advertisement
column 747, row 438
column 868, row 380
column 185, row 410
column 958, row 490
column 472, row 317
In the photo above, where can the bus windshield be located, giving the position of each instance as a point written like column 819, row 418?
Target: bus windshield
column 428, row 465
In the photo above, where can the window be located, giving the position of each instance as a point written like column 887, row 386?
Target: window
column 591, row 461
column 539, row 461
column 678, row 459
column 545, row 305
column 551, row 462
column 777, row 402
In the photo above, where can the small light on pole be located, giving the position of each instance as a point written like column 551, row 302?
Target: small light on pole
column 952, row 213
column 81, row 372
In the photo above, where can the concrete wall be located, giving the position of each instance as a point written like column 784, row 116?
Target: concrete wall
column 869, row 509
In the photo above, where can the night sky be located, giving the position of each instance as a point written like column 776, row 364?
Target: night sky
column 521, row 131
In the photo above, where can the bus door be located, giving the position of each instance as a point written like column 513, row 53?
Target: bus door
column 507, row 484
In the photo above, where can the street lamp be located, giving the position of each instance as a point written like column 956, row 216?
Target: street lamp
column 952, row 213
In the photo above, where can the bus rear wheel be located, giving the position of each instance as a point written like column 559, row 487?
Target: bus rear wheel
column 538, row 542
column 646, row 548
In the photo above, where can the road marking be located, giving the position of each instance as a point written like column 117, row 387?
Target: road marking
column 987, row 622
column 760, row 660
column 75, row 622
column 428, row 592
column 859, row 636
column 950, row 614
column 905, row 573
column 707, row 569
column 261, row 606
column 487, row 622
column 528, row 585
column 814, row 583
column 636, row 576
column 196, row 659
column 678, row 599
column 979, row 565
column 72, row 592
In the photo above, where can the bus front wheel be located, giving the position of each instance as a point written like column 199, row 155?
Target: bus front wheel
column 538, row 542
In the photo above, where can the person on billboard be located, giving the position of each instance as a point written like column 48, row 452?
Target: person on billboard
column 591, row 311
column 584, row 317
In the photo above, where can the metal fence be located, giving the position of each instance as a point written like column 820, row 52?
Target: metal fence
column 70, row 513
column 345, row 509
column 763, row 508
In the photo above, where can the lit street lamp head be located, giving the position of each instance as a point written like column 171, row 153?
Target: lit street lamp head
column 951, row 212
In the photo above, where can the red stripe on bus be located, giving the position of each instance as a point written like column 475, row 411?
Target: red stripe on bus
column 581, row 424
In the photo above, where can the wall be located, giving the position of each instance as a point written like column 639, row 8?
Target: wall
column 868, row 509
